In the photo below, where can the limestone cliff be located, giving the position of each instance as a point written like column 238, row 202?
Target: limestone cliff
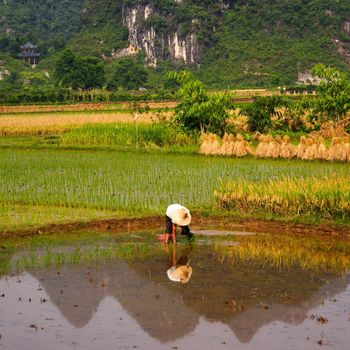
column 161, row 37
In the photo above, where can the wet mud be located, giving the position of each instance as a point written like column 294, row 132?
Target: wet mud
column 199, row 223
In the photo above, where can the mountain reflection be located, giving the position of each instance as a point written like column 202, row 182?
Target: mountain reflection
column 245, row 297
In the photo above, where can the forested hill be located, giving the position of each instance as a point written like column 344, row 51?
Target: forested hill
column 226, row 42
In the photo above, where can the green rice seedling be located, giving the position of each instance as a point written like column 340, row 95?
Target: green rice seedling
column 42, row 187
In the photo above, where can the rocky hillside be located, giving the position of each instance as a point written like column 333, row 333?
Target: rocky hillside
column 225, row 42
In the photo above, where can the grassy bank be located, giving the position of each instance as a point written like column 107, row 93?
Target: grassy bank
column 135, row 183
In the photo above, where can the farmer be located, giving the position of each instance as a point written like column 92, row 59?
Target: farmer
column 176, row 215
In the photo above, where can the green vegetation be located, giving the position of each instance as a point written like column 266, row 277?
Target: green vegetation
column 198, row 110
column 333, row 94
column 77, row 72
column 326, row 197
column 260, row 43
column 136, row 183
column 126, row 134
column 128, row 74
column 261, row 111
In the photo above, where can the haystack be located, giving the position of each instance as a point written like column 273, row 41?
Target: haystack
column 205, row 143
column 262, row 146
column 310, row 149
column 240, row 150
column 214, row 145
column 321, row 149
column 287, row 149
column 300, row 149
column 225, row 148
column 271, row 147
column 338, row 150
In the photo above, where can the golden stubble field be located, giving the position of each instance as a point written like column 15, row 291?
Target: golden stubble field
column 37, row 120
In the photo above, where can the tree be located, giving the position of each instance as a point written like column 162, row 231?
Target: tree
column 333, row 94
column 261, row 111
column 76, row 71
column 129, row 74
column 198, row 110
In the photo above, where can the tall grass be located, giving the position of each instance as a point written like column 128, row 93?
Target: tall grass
column 159, row 134
column 323, row 197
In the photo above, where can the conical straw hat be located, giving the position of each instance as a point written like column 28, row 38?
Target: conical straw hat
column 180, row 273
column 181, row 217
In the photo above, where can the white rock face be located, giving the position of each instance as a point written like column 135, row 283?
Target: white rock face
column 138, row 38
column 156, row 45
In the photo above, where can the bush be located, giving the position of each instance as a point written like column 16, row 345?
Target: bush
column 198, row 110
column 261, row 111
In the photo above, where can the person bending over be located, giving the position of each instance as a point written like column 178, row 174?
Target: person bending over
column 176, row 215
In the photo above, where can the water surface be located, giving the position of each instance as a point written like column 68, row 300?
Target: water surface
column 132, row 304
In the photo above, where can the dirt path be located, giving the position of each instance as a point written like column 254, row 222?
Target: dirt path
column 199, row 222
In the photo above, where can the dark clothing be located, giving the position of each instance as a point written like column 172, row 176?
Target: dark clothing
column 185, row 230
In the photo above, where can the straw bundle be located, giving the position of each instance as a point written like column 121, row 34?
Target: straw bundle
column 301, row 148
column 310, row 150
column 205, row 144
column 227, row 146
column 240, row 150
column 214, row 145
column 321, row 149
column 271, row 150
column 262, row 146
column 287, row 149
column 338, row 150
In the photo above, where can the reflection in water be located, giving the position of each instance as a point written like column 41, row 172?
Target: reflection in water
column 180, row 270
column 241, row 297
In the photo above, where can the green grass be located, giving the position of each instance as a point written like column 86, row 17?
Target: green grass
column 134, row 183
column 136, row 134
column 16, row 216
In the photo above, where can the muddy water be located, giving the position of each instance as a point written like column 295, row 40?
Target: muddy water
column 132, row 304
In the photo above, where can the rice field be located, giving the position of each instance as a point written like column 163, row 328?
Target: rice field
column 58, row 123
column 136, row 183
column 325, row 197
column 80, row 107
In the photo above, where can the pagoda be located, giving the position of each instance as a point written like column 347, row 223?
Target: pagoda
column 28, row 54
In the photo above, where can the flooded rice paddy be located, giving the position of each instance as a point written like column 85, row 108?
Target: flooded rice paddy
column 128, row 301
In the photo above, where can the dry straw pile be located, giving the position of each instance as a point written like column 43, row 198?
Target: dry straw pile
column 228, row 146
column 309, row 148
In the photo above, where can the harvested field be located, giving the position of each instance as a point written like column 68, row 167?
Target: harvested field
column 57, row 123
column 103, row 106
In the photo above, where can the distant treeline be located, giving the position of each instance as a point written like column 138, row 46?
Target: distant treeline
column 66, row 95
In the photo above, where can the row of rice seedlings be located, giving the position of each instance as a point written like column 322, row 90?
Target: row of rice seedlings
column 327, row 198
column 309, row 148
column 136, row 183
